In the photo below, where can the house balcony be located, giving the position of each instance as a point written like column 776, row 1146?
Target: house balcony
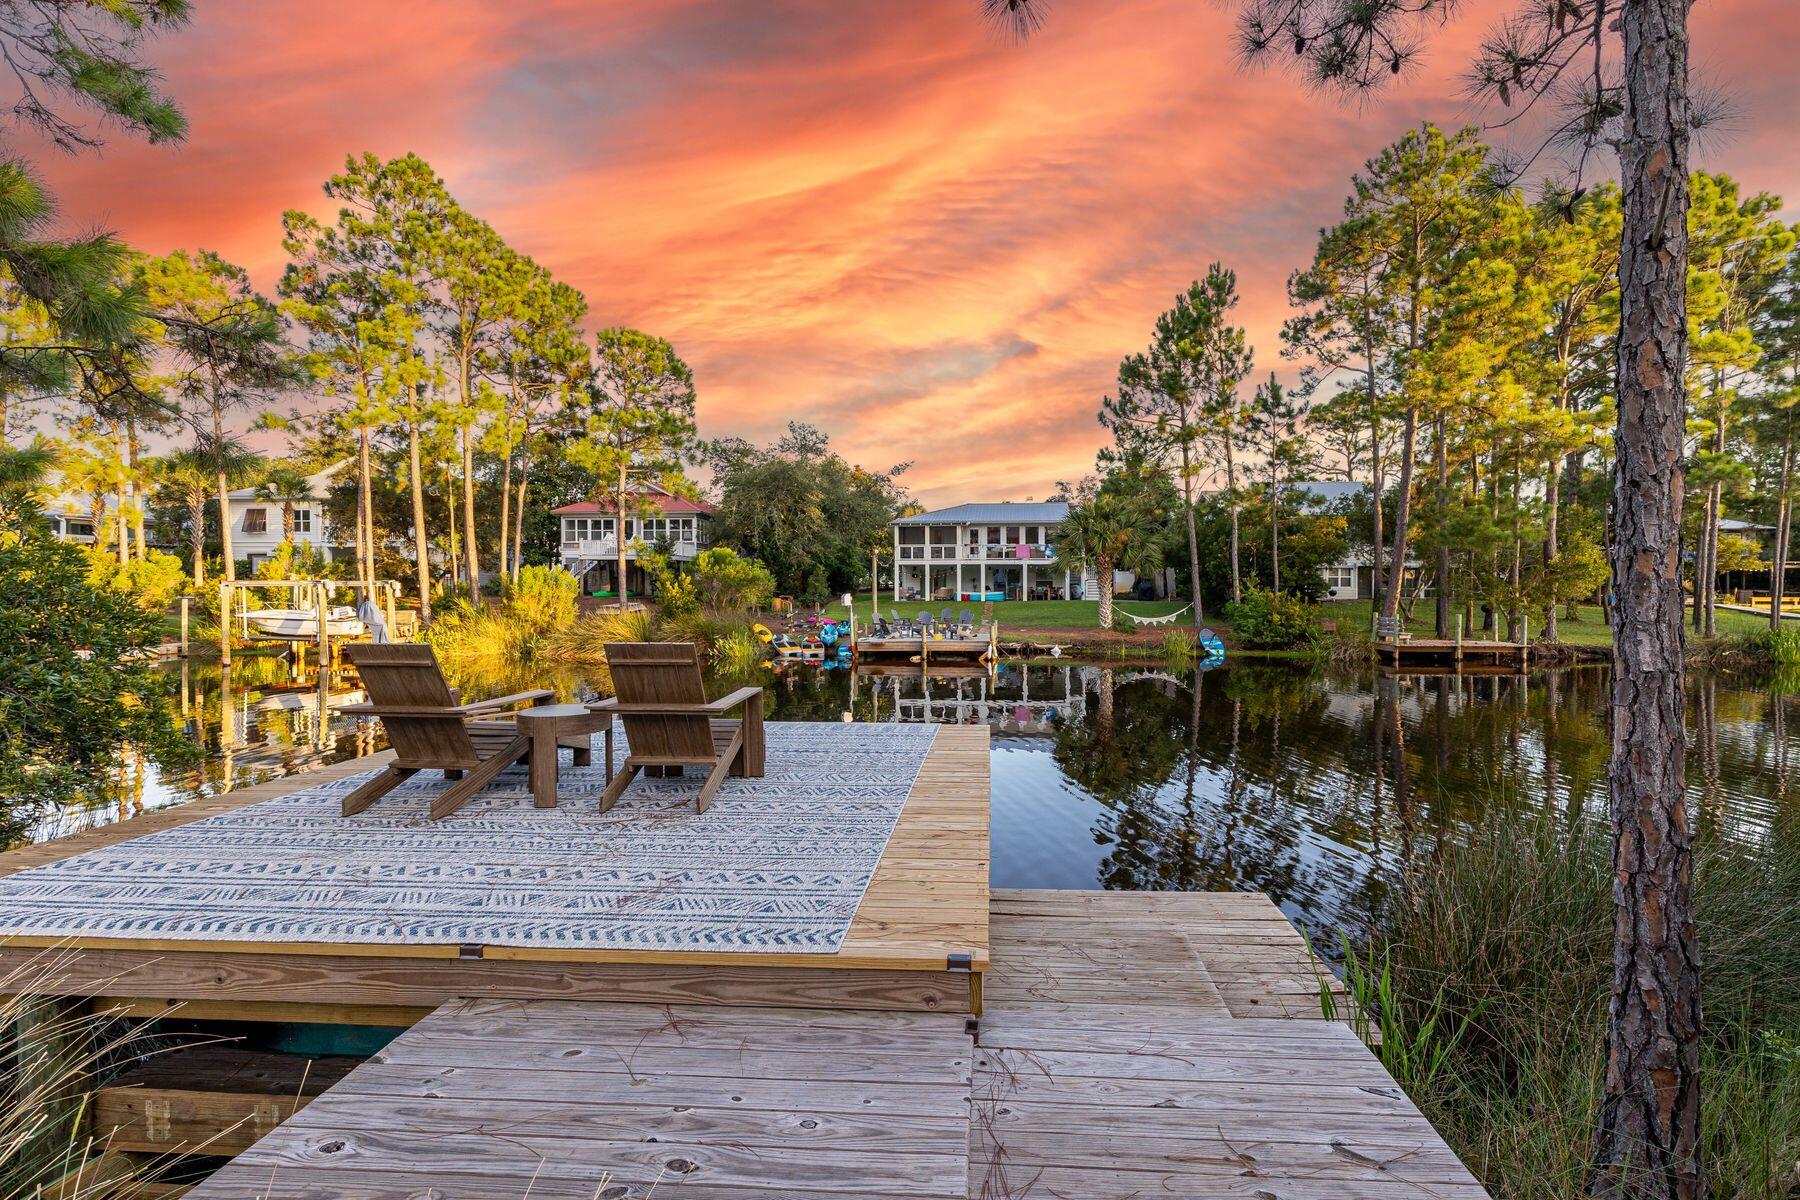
column 974, row 554
column 604, row 549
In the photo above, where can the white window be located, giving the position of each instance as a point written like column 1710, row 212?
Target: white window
column 1340, row 582
column 303, row 520
column 256, row 520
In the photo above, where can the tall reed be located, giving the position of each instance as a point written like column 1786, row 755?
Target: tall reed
column 1491, row 968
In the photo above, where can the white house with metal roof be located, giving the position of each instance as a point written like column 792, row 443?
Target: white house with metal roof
column 983, row 552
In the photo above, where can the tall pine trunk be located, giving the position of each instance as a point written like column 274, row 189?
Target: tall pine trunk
column 1409, row 436
column 365, row 510
column 1377, row 478
column 134, row 450
column 1275, row 535
column 218, row 423
column 471, row 546
column 421, row 546
column 1237, row 587
column 506, row 473
column 1440, row 456
column 1648, row 1140
column 1193, row 538
column 1784, row 516
column 619, row 539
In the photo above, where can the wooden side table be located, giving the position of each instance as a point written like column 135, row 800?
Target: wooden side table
column 546, row 726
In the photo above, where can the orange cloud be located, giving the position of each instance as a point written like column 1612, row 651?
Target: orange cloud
column 886, row 220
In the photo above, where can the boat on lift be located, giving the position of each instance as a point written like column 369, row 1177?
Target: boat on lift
column 300, row 624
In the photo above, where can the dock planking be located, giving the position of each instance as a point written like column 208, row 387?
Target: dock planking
column 1160, row 1044
column 552, row 1099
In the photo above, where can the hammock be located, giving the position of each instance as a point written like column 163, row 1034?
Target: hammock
column 1165, row 619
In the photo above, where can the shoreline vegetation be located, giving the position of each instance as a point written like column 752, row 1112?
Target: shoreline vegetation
column 1485, row 977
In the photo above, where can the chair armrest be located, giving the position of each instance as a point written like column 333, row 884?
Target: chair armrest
column 506, row 701
column 742, row 695
column 401, row 710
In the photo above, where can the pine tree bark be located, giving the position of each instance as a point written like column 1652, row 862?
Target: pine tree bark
column 421, row 546
column 471, row 544
column 1648, row 1140
column 1193, row 537
column 1440, row 457
column 1409, row 436
column 619, row 538
column 1237, row 586
column 365, row 509
column 1784, row 517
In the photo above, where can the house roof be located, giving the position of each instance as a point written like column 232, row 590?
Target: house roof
column 315, row 485
column 1048, row 512
column 658, row 500
column 1728, row 525
column 1330, row 489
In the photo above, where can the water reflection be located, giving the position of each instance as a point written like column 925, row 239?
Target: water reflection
column 1322, row 789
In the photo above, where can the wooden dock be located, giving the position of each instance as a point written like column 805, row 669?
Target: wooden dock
column 1453, row 654
column 1019, row 1044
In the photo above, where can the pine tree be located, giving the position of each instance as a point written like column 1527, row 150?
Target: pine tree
column 634, row 426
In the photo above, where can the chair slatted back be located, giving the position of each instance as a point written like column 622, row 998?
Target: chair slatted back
column 662, row 673
column 406, row 675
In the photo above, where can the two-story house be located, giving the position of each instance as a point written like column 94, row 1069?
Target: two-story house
column 654, row 518
column 259, row 519
column 983, row 551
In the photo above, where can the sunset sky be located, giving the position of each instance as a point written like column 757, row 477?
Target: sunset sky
column 884, row 219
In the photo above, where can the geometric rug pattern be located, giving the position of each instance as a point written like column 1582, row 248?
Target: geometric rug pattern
column 774, row 864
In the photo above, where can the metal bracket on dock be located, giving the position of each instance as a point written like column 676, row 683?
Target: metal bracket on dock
column 469, row 950
column 959, row 962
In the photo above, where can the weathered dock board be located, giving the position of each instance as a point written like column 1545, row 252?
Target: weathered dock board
column 1149, row 1044
column 918, row 939
column 1255, row 961
column 545, row 1099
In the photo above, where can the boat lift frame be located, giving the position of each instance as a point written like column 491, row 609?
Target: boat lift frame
column 317, row 592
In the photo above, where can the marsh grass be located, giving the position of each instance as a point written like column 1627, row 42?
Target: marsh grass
column 55, row 1054
column 1487, row 979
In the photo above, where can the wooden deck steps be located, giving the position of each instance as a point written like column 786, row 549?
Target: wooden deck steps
column 570, row 1101
column 1165, row 1066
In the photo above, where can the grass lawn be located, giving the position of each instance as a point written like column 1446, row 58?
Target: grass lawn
column 1590, row 630
column 1017, row 614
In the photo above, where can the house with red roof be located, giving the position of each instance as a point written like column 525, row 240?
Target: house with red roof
column 655, row 519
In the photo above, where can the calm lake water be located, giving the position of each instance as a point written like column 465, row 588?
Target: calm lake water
column 1318, row 788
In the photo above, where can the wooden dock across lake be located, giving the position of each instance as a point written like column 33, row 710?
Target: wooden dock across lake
column 1020, row 1044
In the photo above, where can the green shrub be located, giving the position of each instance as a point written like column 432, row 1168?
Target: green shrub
column 1778, row 646
column 152, row 584
column 728, row 583
column 1179, row 646
column 677, row 594
column 542, row 599
column 1267, row 620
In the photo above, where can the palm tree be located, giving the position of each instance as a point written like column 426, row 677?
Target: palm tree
column 1108, row 530
column 190, row 477
column 283, row 483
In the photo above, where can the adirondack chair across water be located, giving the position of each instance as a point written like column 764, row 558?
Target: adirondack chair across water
column 669, row 722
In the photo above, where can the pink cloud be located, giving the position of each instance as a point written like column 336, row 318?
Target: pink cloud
column 934, row 242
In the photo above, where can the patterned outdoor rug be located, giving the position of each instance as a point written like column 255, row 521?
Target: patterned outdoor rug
column 774, row 864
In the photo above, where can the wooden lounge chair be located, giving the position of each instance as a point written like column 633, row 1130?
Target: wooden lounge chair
column 669, row 722
column 428, row 729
